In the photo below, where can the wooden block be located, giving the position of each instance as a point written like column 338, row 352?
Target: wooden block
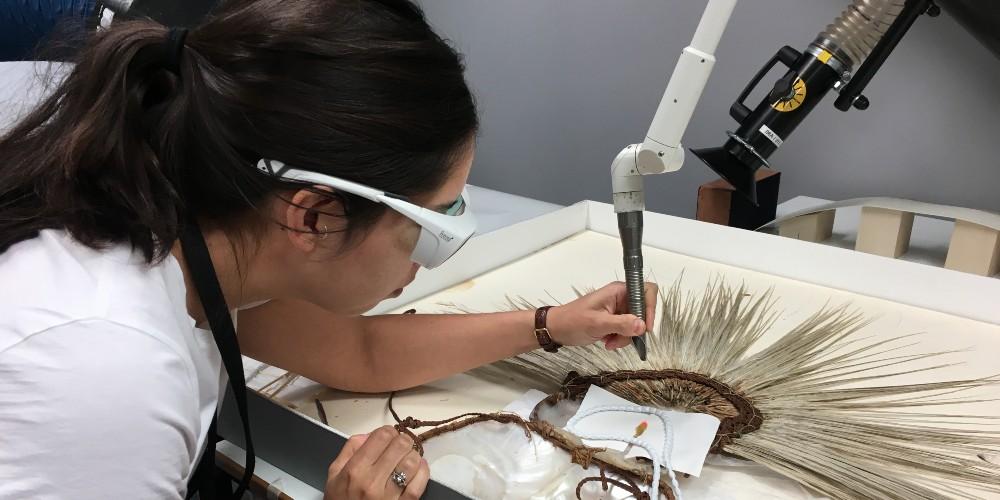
column 815, row 227
column 714, row 200
column 884, row 232
column 719, row 203
column 974, row 249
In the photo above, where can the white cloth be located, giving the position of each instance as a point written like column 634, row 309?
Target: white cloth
column 107, row 388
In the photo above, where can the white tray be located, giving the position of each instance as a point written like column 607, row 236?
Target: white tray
column 578, row 246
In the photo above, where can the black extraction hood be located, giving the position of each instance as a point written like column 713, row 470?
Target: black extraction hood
column 979, row 17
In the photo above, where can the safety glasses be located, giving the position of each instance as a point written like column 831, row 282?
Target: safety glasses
column 441, row 234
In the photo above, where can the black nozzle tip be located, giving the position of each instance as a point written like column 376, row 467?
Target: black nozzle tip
column 640, row 345
column 741, row 176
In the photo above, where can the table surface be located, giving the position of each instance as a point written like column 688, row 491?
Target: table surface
column 495, row 210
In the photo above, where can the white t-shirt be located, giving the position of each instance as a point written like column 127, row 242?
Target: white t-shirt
column 107, row 388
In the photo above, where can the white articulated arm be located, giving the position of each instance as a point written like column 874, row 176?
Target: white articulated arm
column 662, row 151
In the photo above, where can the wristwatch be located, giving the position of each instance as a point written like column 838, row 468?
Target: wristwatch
column 542, row 331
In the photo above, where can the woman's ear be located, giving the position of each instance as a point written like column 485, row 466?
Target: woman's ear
column 313, row 215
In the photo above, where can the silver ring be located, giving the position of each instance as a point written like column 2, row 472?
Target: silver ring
column 399, row 478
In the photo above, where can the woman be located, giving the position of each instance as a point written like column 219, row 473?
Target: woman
column 300, row 141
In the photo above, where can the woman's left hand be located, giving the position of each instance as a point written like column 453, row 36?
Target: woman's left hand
column 602, row 315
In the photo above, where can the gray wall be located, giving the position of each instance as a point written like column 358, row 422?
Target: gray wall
column 563, row 85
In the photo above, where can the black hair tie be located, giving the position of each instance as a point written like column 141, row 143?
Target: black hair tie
column 172, row 48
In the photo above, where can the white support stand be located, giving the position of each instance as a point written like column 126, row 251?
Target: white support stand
column 662, row 151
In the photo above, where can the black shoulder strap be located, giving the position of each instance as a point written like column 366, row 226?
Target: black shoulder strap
column 206, row 282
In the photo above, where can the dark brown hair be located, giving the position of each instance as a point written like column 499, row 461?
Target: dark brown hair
column 359, row 89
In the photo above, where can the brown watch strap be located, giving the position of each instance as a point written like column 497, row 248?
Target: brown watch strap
column 542, row 330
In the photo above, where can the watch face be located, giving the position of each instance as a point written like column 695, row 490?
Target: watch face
column 795, row 99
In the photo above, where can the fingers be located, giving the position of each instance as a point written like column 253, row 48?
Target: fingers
column 356, row 479
column 617, row 292
column 348, row 451
column 621, row 324
column 618, row 295
column 409, row 465
column 604, row 315
column 340, row 478
column 612, row 342
column 397, row 451
column 372, row 448
column 364, row 468
column 417, row 485
column 615, row 287
column 607, row 338
column 652, row 295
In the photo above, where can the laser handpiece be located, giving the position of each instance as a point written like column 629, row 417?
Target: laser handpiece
column 662, row 151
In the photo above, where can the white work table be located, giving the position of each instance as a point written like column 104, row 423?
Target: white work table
column 495, row 210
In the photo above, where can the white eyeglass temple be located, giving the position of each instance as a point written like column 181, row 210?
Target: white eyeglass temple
column 280, row 170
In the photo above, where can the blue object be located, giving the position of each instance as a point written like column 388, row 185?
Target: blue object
column 25, row 24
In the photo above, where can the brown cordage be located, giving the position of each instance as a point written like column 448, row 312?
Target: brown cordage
column 321, row 412
column 542, row 330
column 625, row 483
column 691, row 391
column 580, row 454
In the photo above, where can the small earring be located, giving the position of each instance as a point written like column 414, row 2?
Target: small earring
column 324, row 232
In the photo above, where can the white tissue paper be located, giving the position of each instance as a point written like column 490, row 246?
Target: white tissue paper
column 524, row 405
column 693, row 432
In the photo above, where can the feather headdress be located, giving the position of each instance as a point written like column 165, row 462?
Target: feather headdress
column 814, row 405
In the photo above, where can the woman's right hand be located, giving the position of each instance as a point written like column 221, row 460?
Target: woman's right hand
column 365, row 466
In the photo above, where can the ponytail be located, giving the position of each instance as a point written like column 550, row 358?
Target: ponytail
column 87, row 158
column 150, row 127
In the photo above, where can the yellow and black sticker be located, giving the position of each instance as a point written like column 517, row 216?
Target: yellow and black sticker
column 793, row 101
column 824, row 56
